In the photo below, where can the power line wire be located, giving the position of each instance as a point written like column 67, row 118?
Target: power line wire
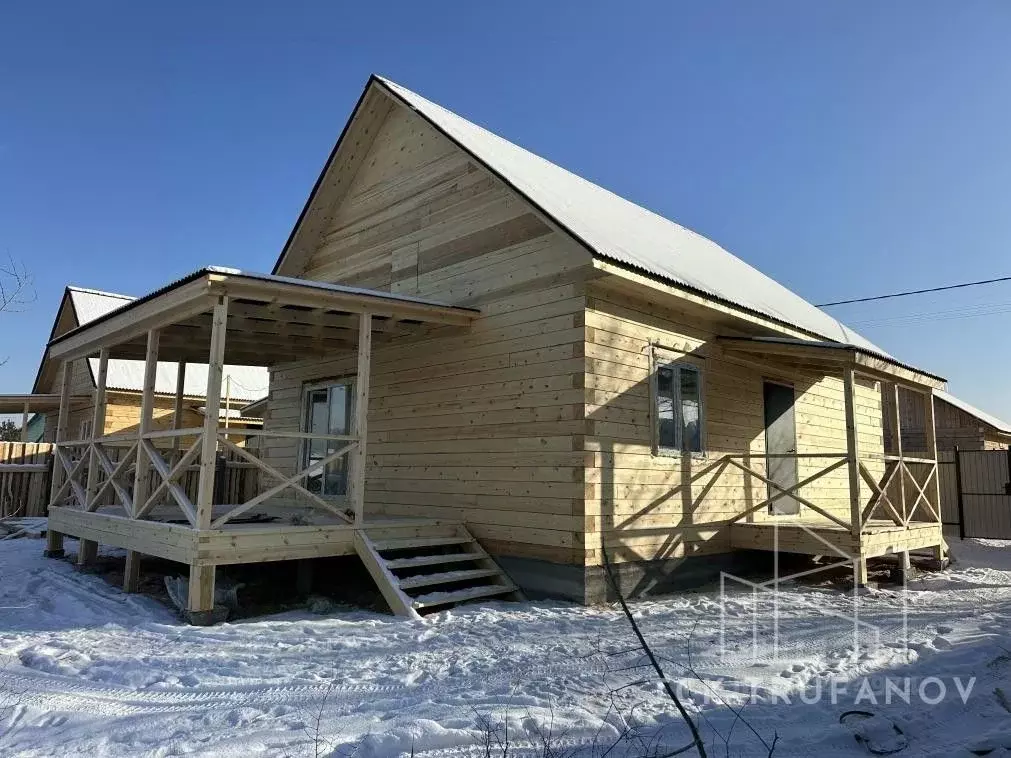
column 916, row 292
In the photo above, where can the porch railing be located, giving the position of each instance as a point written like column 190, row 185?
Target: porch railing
column 100, row 472
column 898, row 472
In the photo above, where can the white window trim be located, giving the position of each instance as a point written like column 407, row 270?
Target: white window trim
column 657, row 361
column 303, row 452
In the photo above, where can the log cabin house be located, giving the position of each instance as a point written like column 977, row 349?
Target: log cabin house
column 489, row 375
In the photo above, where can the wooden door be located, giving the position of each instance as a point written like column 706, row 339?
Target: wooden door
column 781, row 439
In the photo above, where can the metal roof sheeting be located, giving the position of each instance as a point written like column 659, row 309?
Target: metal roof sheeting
column 629, row 235
column 247, row 382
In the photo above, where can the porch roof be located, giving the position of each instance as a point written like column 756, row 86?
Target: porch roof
column 833, row 355
column 271, row 319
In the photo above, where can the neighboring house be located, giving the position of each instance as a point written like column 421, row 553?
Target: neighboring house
column 956, row 423
column 125, row 380
column 554, row 370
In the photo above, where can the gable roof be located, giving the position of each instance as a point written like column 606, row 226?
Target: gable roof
column 612, row 228
column 247, row 382
column 1001, row 426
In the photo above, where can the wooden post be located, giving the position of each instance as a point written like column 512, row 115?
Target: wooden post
column 361, row 418
column 97, row 426
column 958, row 487
column 934, row 488
column 142, row 468
column 209, row 443
column 177, row 408
column 200, row 600
column 24, row 420
column 61, row 426
column 131, row 573
column 852, row 449
column 897, row 431
column 54, row 540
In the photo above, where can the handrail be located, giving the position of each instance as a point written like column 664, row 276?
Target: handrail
column 287, row 435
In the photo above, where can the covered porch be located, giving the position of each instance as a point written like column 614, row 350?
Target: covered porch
column 131, row 490
column 890, row 501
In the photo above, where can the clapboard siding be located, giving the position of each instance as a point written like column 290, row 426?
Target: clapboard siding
column 484, row 425
column 634, row 500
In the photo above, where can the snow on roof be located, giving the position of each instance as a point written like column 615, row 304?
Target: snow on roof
column 246, row 382
column 625, row 233
column 986, row 418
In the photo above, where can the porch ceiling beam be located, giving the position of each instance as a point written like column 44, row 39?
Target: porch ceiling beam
column 837, row 356
column 171, row 307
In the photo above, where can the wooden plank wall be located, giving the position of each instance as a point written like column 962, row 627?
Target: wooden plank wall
column 635, row 500
column 24, row 478
column 483, row 426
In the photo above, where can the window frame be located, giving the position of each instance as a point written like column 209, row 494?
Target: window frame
column 679, row 363
column 304, row 447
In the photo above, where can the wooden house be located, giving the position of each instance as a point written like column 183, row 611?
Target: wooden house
column 480, row 361
column 956, row 424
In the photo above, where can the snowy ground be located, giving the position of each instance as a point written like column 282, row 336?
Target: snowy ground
column 89, row 670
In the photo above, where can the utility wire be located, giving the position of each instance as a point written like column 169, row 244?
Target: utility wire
column 916, row 292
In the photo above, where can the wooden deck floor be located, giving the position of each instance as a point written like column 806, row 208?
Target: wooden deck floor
column 234, row 543
column 821, row 538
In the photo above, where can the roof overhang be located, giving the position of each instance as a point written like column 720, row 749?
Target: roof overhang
column 832, row 356
column 271, row 319
column 38, row 403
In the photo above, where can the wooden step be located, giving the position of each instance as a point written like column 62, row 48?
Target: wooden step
column 473, row 593
column 446, row 577
column 432, row 560
column 419, row 542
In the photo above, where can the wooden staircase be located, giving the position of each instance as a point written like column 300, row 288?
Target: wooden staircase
column 430, row 567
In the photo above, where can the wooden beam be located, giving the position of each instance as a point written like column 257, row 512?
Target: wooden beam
column 361, row 417
column 933, row 487
column 24, row 420
column 131, row 572
column 852, row 449
column 897, row 431
column 97, row 425
column 144, row 425
column 209, row 443
column 177, row 407
column 61, row 427
column 201, row 590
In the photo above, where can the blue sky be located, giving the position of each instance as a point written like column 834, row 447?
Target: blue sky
column 844, row 148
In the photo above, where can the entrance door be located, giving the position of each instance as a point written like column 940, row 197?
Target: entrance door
column 781, row 439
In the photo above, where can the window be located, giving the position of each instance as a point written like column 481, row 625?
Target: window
column 327, row 409
column 678, row 406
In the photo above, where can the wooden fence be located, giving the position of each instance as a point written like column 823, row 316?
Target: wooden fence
column 25, row 468
column 976, row 492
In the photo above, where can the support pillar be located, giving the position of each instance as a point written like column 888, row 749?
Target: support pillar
column 97, row 428
column 209, row 443
column 87, row 553
column 853, row 454
column 897, row 431
column 142, row 469
column 24, row 420
column 177, row 408
column 933, row 492
column 361, row 417
column 200, row 600
column 131, row 573
column 54, row 539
